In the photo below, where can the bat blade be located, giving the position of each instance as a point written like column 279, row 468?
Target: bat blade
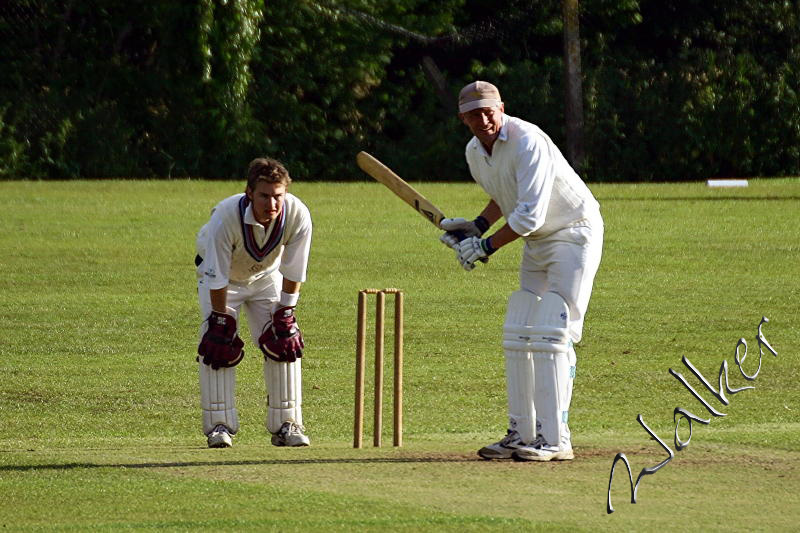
column 399, row 187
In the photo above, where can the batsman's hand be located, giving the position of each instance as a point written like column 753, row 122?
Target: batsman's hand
column 221, row 345
column 473, row 249
column 458, row 229
column 281, row 339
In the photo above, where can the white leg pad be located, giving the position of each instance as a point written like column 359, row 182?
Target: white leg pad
column 284, row 393
column 566, row 375
column 519, row 388
column 554, row 360
column 553, row 395
column 519, row 364
column 217, row 398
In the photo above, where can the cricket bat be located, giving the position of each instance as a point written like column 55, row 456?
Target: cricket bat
column 397, row 185
column 404, row 191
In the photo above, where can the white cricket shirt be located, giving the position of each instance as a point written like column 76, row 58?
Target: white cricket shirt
column 536, row 189
column 236, row 248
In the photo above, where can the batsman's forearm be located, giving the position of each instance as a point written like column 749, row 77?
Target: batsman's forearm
column 491, row 212
column 503, row 236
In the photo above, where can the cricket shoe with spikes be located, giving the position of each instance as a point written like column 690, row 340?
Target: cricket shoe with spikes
column 290, row 434
column 504, row 448
column 540, row 450
column 220, row 437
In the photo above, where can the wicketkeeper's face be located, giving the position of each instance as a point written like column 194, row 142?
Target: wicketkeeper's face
column 267, row 200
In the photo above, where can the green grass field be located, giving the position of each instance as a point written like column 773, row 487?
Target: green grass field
column 100, row 405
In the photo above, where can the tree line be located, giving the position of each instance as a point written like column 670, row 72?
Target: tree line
column 671, row 89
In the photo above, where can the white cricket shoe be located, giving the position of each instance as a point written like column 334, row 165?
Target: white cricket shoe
column 504, row 448
column 290, row 434
column 220, row 437
column 540, row 450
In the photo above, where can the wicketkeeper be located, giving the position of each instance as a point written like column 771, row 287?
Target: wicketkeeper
column 252, row 255
column 544, row 202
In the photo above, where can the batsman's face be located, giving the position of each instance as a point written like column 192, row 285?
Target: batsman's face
column 267, row 199
column 484, row 123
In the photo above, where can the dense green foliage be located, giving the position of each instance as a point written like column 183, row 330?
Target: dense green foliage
column 672, row 89
column 696, row 89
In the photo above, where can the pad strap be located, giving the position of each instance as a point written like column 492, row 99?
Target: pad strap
column 548, row 339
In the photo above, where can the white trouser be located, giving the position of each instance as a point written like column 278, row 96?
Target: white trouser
column 283, row 380
column 565, row 263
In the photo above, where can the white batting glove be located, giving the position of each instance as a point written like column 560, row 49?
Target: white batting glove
column 473, row 249
column 459, row 229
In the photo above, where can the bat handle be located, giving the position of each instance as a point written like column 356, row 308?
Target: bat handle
column 460, row 235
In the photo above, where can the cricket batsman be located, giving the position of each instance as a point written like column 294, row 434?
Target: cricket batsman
column 544, row 203
column 252, row 255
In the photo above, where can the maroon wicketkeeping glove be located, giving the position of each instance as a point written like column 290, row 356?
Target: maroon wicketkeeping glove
column 281, row 339
column 221, row 346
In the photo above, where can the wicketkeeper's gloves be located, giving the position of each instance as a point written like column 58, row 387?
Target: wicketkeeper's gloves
column 281, row 339
column 221, row 345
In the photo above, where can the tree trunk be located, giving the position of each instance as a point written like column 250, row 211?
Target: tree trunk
column 573, row 112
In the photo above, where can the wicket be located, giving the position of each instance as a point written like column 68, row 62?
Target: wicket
column 361, row 336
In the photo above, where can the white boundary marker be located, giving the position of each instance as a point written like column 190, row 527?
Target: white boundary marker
column 726, row 183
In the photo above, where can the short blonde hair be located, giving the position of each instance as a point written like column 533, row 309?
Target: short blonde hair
column 268, row 170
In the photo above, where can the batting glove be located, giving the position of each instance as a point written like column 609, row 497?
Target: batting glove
column 459, row 229
column 473, row 249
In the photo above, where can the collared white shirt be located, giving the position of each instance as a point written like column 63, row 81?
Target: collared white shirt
column 526, row 174
column 236, row 248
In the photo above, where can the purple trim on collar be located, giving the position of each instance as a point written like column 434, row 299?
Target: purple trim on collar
column 273, row 240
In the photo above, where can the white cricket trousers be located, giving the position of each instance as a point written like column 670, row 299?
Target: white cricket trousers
column 258, row 299
column 565, row 263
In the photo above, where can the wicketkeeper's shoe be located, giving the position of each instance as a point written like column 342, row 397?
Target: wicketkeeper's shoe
column 290, row 434
column 220, row 437
column 504, row 448
column 541, row 451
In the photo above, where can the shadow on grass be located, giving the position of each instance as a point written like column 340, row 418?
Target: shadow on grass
column 264, row 462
